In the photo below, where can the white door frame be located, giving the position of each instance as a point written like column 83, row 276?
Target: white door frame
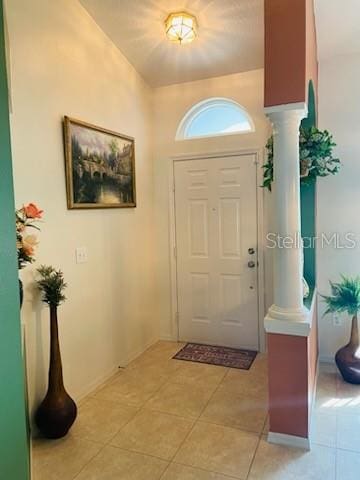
column 259, row 160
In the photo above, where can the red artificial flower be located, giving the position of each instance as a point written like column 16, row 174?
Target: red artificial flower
column 32, row 211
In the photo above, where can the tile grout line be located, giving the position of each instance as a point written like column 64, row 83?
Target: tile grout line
column 336, row 447
column 253, row 457
column 258, row 441
column 169, row 461
column 143, row 407
column 87, row 463
column 121, row 428
column 197, row 420
column 221, row 424
column 138, row 452
column 184, row 440
column 204, row 470
column 242, row 429
column 166, row 469
column 108, row 443
column 135, row 452
column 264, row 424
column 214, row 392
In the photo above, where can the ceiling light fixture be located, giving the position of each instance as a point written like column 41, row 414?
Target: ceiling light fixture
column 181, row 27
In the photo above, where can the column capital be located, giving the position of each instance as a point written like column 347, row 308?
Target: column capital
column 286, row 112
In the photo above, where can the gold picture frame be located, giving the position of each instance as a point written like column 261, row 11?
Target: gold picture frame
column 99, row 166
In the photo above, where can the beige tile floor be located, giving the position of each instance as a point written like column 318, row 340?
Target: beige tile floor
column 171, row 420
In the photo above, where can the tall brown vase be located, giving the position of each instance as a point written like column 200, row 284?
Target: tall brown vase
column 58, row 411
column 348, row 357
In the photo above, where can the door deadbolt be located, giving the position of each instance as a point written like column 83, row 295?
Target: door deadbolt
column 251, row 251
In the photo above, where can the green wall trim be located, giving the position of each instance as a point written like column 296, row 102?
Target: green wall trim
column 14, row 448
column 308, row 203
column 310, row 120
column 308, row 199
column 308, row 301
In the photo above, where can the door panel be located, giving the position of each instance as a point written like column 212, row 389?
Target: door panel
column 198, row 228
column 200, row 297
column 216, row 224
column 229, row 216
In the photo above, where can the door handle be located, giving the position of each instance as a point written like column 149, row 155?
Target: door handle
column 251, row 264
column 251, row 251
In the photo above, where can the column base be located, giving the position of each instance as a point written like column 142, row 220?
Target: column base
column 289, row 440
column 288, row 321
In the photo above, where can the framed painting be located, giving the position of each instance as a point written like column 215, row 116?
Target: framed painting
column 100, row 167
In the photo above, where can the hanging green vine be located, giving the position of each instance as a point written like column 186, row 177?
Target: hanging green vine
column 316, row 156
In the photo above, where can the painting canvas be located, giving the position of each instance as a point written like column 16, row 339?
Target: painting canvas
column 100, row 167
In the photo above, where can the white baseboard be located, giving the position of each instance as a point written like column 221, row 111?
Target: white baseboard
column 95, row 384
column 289, row 440
column 123, row 363
column 92, row 387
column 327, row 359
column 136, row 353
column 168, row 338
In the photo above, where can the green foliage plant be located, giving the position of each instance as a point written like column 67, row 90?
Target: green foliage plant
column 52, row 285
column 345, row 296
column 316, row 156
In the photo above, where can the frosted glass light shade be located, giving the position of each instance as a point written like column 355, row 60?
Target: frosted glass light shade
column 181, row 27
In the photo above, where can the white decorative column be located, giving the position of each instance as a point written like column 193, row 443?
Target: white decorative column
column 288, row 265
column 288, row 323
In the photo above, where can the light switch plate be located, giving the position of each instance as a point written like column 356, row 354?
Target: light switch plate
column 81, row 255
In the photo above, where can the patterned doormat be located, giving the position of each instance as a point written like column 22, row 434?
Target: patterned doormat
column 224, row 356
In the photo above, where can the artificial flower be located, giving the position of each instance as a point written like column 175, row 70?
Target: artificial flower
column 20, row 227
column 28, row 244
column 32, row 211
column 26, row 217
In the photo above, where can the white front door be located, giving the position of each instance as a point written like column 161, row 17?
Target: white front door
column 216, row 238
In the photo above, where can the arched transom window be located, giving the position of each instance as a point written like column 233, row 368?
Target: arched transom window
column 215, row 117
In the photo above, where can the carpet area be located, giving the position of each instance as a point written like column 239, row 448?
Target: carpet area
column 222, row 356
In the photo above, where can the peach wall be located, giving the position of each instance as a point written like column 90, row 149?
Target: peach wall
column 292, row 379
column 290, row 51
column 288, row 384
column 311, row 46
column 313, row 352
column 285, row 60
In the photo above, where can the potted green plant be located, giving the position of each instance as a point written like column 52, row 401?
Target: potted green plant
column 345, row 297
column 57, row 412
column 316, row 156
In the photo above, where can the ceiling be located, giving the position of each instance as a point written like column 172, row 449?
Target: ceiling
column 230, row 39
column 338, row 27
